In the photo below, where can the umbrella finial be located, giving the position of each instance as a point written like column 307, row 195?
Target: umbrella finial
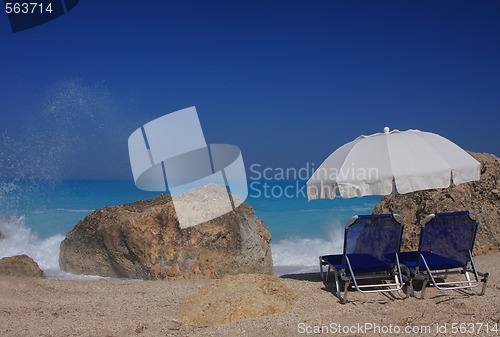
column 386, row 129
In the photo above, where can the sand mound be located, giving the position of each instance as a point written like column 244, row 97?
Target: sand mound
column 237, row 297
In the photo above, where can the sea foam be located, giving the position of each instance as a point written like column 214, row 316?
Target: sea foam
column 18, row 239
column 301, row 255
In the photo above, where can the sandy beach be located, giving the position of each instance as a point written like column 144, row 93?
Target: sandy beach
column 51, row 307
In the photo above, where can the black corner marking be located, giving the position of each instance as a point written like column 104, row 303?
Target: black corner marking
column 70, row 4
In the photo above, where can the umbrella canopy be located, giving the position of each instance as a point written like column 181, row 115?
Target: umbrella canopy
column 411, row 160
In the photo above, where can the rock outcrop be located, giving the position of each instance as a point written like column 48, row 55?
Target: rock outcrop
column 482, row 197
column 143, row 240
column 237, row 297
column 20, row 266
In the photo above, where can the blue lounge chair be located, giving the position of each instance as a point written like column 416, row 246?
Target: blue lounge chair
column 371, row 247
column 445, row 247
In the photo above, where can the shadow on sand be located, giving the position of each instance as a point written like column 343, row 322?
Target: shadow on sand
column 312, row 277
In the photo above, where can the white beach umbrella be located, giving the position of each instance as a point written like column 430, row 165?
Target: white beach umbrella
column 411, row 160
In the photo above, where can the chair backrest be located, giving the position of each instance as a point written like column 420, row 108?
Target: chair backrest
column 450, row 236
column 373, row 236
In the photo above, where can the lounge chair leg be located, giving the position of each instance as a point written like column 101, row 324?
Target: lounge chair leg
column 346, row 288
column 321, row 271
column 468, row 279
column 412, row 291
column 484, row 280
column 404, row 287
column 405, row 279
column 337, row 290
column 407, row 287
column 424, row 286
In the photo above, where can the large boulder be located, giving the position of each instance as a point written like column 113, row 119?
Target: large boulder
column 20, row 266
column 237, row 297
column 143, row 240
column 482, row 197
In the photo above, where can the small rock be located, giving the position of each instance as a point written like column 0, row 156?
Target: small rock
column 20, row 266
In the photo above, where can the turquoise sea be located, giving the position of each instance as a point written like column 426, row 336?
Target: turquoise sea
column 36, row 215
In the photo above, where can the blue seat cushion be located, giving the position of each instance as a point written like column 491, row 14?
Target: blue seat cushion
column 434, row 261
column 361, row 263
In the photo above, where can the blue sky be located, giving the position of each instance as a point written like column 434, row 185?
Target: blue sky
column 286, row 81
